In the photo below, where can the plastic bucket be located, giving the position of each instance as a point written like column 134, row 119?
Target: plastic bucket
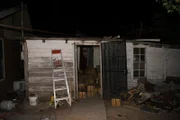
column 33, row 100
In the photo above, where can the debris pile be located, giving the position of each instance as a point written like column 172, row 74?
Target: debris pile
column 155, row 98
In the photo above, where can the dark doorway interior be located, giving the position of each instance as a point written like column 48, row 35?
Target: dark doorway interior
column 17, row 62
column 12, row 69
column 88, row 71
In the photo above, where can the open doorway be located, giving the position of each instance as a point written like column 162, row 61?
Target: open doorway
column 88, row 71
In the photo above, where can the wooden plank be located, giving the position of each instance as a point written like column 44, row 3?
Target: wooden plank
column 46, row 84
column 43, row 95
column 47, row 70
column 48, row 74
column 47, row 64
column 39, row 63
column 68, row 49
column 26, row 69
column 46, row 59
column 54, row 44
column 45, row 79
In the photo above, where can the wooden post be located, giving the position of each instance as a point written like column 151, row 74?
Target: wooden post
column 25, row 50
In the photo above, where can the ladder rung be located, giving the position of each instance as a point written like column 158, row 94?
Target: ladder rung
column 58, row 80
column 57, row 70
column 57, row 77
column 58, row 89
column 63, row 98
column 58, row 67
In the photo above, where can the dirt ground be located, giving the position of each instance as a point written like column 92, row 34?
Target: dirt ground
column 127, row 113
column 91, row 110
column 85, row 109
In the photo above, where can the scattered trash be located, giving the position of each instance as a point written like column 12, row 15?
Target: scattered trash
column 51, row 102
column 149, row 109
column 7, row 105
column 154, row 98
column 119, row 115
column 33, row 99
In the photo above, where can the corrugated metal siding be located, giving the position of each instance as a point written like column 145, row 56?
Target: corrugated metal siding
column 39, row 65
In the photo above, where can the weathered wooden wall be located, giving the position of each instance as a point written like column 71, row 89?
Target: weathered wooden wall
column 39, row 65
column 160, row 62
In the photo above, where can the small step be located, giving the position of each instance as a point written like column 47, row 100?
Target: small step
column 57, row 77
column 63, row 98
column 58, row 70
column 58, row 89
column 57, row 67
column 58, row 80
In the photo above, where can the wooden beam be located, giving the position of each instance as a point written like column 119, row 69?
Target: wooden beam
column 29, row 29
column 26, row 69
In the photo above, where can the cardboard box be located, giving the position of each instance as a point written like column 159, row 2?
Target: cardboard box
column 96, row 90
column 90, row 88
column 82, row 86
column 82, row 95
column 90, row 94
column 116, row 102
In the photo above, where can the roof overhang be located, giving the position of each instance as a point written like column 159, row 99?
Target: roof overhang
column 7, row 12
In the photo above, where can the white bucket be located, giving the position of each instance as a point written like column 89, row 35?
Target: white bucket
column 33, row 100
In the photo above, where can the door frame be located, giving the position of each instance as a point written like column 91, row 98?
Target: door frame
column 76, row 44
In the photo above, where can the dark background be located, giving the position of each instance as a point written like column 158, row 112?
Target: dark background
column 131, row 19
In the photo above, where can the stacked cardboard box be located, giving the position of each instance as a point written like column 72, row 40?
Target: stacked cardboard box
column 82, row 91
column 90, row 91
column 116, row 102
column 82, row 95
column 88, row 83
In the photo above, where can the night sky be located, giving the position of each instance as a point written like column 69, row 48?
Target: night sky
column 103, row 18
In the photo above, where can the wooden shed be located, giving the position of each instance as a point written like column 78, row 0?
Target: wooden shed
column 120, row 63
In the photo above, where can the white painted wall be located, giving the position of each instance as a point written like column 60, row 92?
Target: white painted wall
column 160, row 62
column 39, row 65
column 173, row 62
column 155, row 64
column 130, row 80
column 39, row 58
column 96, row 53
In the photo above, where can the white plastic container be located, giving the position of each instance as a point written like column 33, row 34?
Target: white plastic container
column 33, row 100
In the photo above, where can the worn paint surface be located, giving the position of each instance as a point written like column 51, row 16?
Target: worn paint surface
column 96, row 53
column 39, row 65
column 160, row 62
column 155, row 64
column 131, row 82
